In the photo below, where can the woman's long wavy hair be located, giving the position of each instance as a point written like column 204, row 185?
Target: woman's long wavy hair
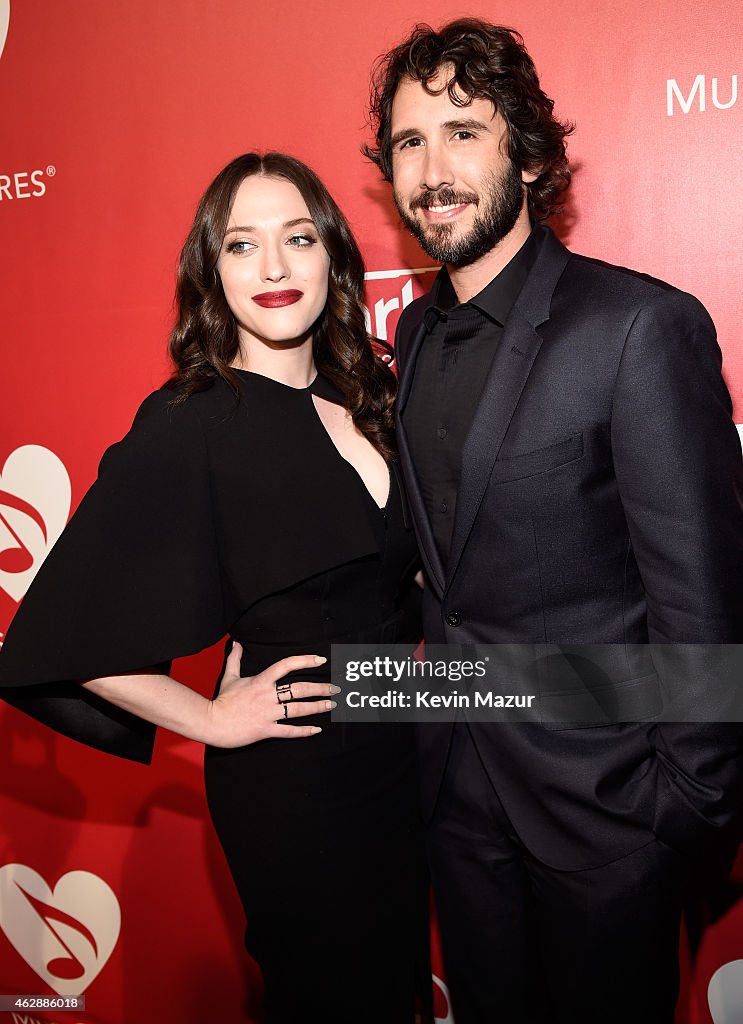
column 490, row 62
column 205, row 341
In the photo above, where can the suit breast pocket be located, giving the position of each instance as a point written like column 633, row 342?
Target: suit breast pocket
column 591, row 706
column 541, row 460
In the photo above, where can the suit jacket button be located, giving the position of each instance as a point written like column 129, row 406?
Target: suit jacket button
column 454, row 619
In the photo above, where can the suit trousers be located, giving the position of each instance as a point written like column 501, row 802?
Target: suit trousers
column 525, row 943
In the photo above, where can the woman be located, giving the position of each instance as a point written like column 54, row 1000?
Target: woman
column 256, row 495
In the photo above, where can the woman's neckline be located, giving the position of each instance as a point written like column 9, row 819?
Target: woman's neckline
column 273, row 380
column 331, row 396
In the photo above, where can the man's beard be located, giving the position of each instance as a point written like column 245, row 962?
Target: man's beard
column 496, row 211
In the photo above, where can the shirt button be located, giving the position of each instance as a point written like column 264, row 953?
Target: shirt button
column 454, row 619
column 441, row 432
column 443, row 506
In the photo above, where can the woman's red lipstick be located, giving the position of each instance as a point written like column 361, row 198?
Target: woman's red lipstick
column 272, row 300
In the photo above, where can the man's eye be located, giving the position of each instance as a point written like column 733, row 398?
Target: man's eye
column 411, row 143
column 463, row 135
column 301, row 241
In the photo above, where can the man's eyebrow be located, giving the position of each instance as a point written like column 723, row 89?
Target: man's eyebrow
column 287, row 224
column 466, row 124
column 403, row 134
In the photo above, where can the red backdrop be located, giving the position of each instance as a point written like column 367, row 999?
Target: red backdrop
column 114, row 117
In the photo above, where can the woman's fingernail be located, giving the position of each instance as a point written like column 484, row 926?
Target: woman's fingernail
column 330, row 704
column 316, row 729
column 334, row 688
column 319, row 660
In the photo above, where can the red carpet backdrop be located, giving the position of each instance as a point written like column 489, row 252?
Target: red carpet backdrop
column 114, row 117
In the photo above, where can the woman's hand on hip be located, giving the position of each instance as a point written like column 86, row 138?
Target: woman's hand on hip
column 252, row 708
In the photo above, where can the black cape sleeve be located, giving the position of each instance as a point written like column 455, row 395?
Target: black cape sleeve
column 133, row 582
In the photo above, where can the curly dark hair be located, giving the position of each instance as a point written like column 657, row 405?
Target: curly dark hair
column 490, row 62
column 204, row 341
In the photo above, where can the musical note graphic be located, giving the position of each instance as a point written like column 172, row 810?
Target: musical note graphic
column 18, row 559
column 67, row 967
column 35, row 498
column 66, row 932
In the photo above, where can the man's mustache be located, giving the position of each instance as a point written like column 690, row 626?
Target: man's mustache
column 442, row 197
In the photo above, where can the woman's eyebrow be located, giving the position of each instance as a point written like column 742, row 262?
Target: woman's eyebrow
column 286, row 224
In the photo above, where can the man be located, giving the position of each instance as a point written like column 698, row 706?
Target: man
column 575, row 478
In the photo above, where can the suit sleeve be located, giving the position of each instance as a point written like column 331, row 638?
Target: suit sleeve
column 678, row 465
column 133, row 582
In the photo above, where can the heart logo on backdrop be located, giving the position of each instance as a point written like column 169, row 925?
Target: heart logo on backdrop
column 66, row 934
column 449, row 1018
column 725, row 993
column 35, row 496
column 4, row 19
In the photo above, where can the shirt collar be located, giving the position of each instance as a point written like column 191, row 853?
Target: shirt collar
column 498, row 296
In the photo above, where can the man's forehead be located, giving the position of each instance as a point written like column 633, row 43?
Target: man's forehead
column 412, row 93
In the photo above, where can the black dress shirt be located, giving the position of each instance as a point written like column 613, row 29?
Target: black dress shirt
column 450, row 372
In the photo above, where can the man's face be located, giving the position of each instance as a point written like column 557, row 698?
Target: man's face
column 455, row 187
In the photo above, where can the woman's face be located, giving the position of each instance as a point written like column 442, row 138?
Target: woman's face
column 273, row 266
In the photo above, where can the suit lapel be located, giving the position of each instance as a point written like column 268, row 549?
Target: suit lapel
column 406, row 377
column 507, row 378
column 428, row 549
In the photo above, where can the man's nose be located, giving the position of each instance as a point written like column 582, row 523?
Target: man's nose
column 436, row 171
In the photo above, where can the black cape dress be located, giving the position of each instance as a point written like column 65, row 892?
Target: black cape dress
column 217, row 517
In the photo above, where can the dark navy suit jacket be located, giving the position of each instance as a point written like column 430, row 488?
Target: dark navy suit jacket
column 600, row 502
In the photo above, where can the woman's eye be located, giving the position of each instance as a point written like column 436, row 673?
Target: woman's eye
column 301, row 241
column 240, row 246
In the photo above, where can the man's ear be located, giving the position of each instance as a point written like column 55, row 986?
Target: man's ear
column 529, row 176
